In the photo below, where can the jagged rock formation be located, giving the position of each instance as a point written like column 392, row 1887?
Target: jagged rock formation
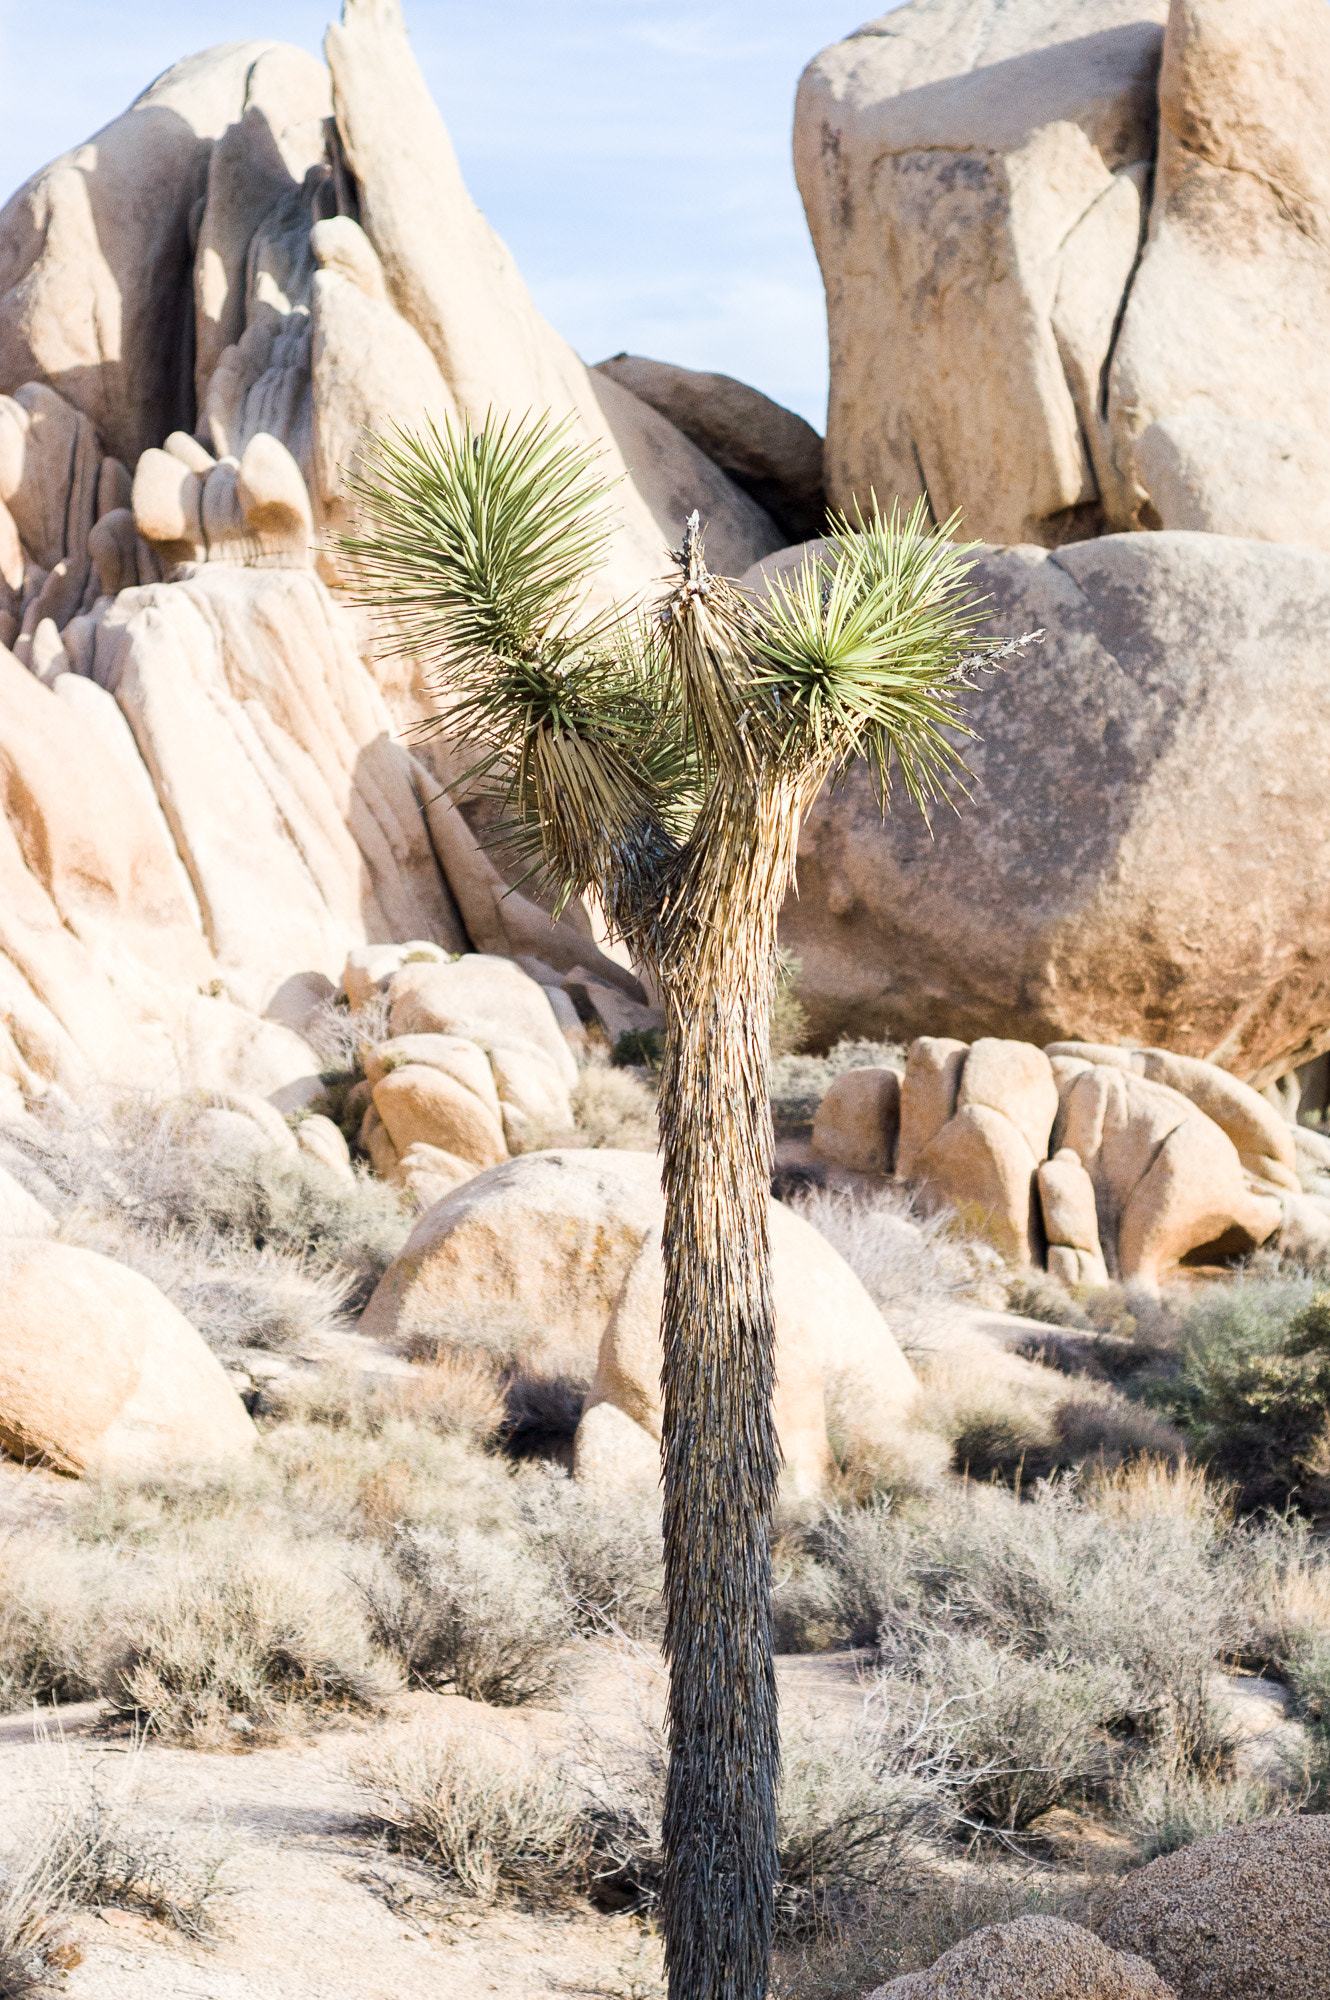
column 1076, row 263
column 200, row 313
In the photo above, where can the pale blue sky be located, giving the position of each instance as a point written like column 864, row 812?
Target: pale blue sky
column 634, row 153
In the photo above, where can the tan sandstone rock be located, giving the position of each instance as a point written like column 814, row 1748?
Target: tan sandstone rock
column 428, row 1174
column 973, row 175
column 1219, row 391
column 256, row 161
column 1145, row 871
column 21, row 1214
column 1031, row 1958
column 672, row 478
column 770, row 452
column 1265, row 1142
column 96, row 257
column 858, row 1121
column 420, row 1105
column 533, row 1094
column 320, row 1140
column 567, row 1243
column 457, row 1057
column 929, row 1089
column 273, row 755
column 371, row 369
column 1016, row 1080
column 478, row 997
column 1242, row 1914
column 93, row 921
column 1071, row 1222
column 982, row 1165
column 100, row 1373
column 1168, row 1182
column 451, row 278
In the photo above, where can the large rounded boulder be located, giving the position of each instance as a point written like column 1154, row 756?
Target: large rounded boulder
column 559, row 1253
column 1031, row 1958
column 1141, row 857
column 99, row 1373
column 1243, row 1915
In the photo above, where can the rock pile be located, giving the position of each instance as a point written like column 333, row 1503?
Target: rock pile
column 200, row 314
column 1095, row 1162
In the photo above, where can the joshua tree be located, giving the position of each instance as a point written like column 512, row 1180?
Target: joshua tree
column 664, row 759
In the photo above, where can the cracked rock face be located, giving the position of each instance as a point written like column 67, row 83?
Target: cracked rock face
column 1077, row 255
column 1144, row 851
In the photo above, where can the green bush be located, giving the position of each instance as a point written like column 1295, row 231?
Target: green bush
column 1253, row 1393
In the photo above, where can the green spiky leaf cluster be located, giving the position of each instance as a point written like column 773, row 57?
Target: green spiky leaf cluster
column 599, row 732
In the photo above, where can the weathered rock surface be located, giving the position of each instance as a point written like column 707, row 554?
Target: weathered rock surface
column 297, row 814
column 451, row 278
column 1266, row 1144
column 1139, row 859
column 1218, row 396
column 858, row 1121
column 673, row 477
column 567, row 1245
column 21, row 1214
column 770, row 452
column 96, row 259
column 1242, row 1915
column 1032, row 1958
column 478, row 997
column 973, row 176
column 100, row 1373
column 1168, row 1181
column 423, row 1105
column 978, row 1121
column 93, row 921
column 1071, row 1220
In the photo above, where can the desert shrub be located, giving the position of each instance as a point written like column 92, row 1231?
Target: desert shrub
column 236, row 1297
column 262, row 1250
column 475, row 1613
column 908, row 1920
column 800, row 1082
column 851, row 1810
column 640, row 1048
column 603, row 1548
column 542, row 1409
column 915, row 1268
column 1097, row 1427
column 109, row 1851
column 53, row 1601
column 1254, row 1393
column 240, row 1643
column 1035, row 1295
column 1082, row 1578
column 615, row 1108
column 852, row 1806
column 1018, row 1735
column 1166, row 1803
column 493, row 1818
column 296, row 1206
column 93, row 1847
column 36, row 1945
column 789, row 1018
column 455, row 1395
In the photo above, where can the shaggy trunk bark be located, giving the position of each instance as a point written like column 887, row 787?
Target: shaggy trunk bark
column 721, row 1457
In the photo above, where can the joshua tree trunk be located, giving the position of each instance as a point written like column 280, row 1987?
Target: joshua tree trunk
column 721, row 1456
